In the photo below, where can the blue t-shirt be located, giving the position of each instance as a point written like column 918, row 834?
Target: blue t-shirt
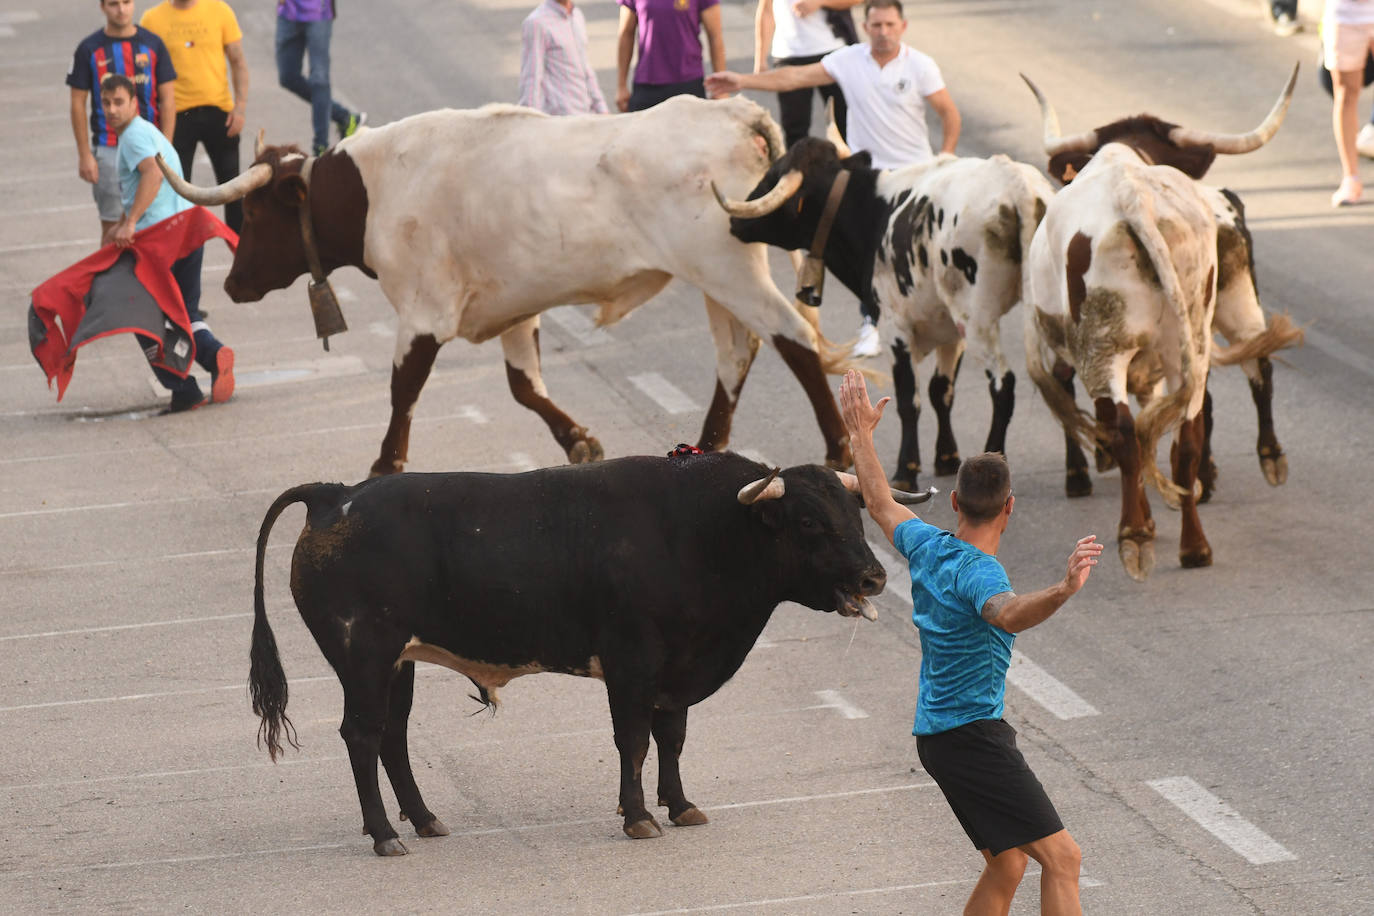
column 139, row 141
column 964, row 658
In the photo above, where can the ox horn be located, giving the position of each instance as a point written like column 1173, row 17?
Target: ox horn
column 851, row 483
column 832, row 131
column 260, row 145
column 231, row 190
column 1235, row 144
column 770, row 487
column 1055, row 144
column 752, row 209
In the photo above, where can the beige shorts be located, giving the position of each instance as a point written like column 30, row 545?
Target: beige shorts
column 1345, row 47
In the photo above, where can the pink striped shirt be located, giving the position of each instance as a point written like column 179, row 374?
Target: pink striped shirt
column 555, row 76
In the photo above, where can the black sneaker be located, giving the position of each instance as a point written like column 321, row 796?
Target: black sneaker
column 182, row 401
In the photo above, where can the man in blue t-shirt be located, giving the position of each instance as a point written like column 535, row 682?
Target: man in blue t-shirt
column 967, row 615
column 147, row 199
column 128, row 50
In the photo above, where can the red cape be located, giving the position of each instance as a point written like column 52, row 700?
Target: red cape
column 60, row 303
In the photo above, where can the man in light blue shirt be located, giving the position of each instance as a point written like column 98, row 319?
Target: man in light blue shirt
column 967, row 615
column 147, row 200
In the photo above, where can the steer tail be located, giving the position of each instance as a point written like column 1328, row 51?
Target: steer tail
column 1163, row 414
column 266, row 679
column 1280, row 334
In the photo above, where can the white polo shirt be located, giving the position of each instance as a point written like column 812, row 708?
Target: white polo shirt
column 801, row 36
column 887, row 109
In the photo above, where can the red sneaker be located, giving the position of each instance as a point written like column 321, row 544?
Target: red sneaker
column 222, row 379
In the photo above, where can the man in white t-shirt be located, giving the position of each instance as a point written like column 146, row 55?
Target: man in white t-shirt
column 887, row 86
column 797, row 33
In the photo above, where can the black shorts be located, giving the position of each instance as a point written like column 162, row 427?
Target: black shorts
column 994, row 794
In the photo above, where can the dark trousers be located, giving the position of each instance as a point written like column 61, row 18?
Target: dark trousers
column 186, row 273
column 647, row 95
column 206, row 125
column 794, row 106
column 294, row 41
column 1279, row 7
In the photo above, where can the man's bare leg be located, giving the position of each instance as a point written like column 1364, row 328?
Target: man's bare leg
column 997, row 885
column 1060, row 861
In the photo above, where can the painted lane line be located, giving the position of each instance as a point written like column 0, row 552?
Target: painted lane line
column 95, row 564
column 664, row 393
column 1221, row 820
column 10, row 17
column 83, row 631
column 578, row 326
column 898, row 572
column 195, row 691
column 521, row 461
column 1038, row 684
column 835, row 700
column 167, row 774
column 486, row 831
column 46, row 246
column 806, row 898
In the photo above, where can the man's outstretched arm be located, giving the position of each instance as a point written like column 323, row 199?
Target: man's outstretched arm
column 1015, row 613
column 781, row 79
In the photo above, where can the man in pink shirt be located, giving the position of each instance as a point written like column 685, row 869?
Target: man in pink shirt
column 555, row 75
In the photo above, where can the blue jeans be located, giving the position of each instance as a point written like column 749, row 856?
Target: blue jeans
column 294, row 41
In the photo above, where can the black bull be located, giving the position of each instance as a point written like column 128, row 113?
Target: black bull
column 651, row 574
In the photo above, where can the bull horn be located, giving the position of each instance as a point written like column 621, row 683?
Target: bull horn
column 832, row 131
column 260, row 145
column 1055, row 144
column 851, row 483
column 1234, row 144
column 752, row 209
column 231, row 190
column 770, row 487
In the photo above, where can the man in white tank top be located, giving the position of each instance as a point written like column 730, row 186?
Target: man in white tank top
column 887, row 87
column 798, row 32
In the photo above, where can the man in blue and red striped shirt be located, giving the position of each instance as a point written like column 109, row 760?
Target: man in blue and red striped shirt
column 129, row 50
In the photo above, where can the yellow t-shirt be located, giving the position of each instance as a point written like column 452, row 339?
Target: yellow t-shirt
column 195, row 39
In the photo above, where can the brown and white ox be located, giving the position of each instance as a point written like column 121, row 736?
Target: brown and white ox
column 1122, row 280
column 474, row 222
column 1239, row 317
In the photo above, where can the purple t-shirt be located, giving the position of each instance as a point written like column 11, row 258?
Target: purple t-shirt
column 669, row 39
column 305, row 10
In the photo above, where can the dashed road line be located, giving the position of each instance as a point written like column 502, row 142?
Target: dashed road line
column 664, row 393
column 1221, row 820
column 1038, row 684
column 835, row 700
column 578, row 326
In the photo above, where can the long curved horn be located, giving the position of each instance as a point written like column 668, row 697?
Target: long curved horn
column 1235, row 144
column 851, row 483
column 231, row 190
column 260, row 144
column 752, row 209
column 770, row 487
column 1055, row 144
column 832, row 131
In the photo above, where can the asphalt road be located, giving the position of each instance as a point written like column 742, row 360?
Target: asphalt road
column 1205, row 735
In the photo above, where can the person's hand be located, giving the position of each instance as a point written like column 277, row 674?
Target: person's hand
column 233, row 124
column 722, row 83
column 1081, row 562
column 122, row 236
column 860, row 415
column 622, row 98
column 88, row 168
column 803, row 8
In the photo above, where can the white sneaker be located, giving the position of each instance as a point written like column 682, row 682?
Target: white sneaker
column 869, row 343
column 1364, row 141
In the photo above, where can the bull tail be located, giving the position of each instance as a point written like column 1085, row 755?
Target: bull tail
column 1078, row 423
column 1279, row 334
column 266, row 679
column 1163, row 414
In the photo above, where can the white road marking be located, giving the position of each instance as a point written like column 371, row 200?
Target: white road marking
column 578, row 325
column 1043, row 688
column 835, row 700
column 805, row 898
column 10, row 17
column 1221, row 820
column 163, row 774
column 65, row 208
column 468, row 412
column 123, row 561
column 1340, row 351
column 46, row 246
column 522, row 461
column 665, row 393
column 898, row 573
column 126, row 626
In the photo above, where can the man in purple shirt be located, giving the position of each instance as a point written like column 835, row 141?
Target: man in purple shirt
column 305, row 26
column 667, row 33
column 555, row 75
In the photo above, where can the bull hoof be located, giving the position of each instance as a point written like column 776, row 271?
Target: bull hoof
column 903, row 483
column 391, row 847
column 435, row 827
column 692, row 817
column 1275, row 469
column 946, row 465
column 646, row 829
column 844, row 462
column 1196, row 558
column 1077, row 483
column 1137, row 558
column 1105, row 460
column 585, row 451
column 382, row 468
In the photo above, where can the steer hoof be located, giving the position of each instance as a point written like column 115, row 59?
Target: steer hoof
column 646, row 829
column 1077, row 483
column 946, row 465
column 1105, row 460
column 692, row 817
column 435, row 827
column 1275, row 469
column 381, row 468
column 391, row 847
column 1138, row 558
column 1196, row 558
column 585, row 451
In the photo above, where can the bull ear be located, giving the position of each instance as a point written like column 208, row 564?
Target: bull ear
column 860, row 160
column 291, row 189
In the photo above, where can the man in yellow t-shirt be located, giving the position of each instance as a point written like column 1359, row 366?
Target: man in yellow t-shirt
column 201, row 36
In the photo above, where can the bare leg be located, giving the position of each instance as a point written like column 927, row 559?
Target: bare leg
column 1060, row 862
column 1345, row 120
column 997, row 884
